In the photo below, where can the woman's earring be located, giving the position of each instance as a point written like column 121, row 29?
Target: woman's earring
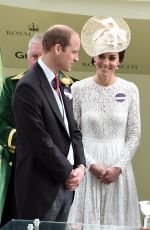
column 117, row 67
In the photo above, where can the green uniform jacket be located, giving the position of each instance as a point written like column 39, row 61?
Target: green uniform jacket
column 7, row 134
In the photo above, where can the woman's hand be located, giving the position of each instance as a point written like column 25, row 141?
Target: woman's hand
column 97, row 170
column 110, row 175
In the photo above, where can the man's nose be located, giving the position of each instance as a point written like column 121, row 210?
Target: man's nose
column 76, row 57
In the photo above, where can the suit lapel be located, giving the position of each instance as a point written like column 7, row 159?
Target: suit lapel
column 68, row 108
column 49, row 94
column 52, row 101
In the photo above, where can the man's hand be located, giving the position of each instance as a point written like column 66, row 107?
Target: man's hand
column 75, row 178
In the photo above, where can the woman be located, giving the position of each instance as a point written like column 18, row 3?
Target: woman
column 107, row 111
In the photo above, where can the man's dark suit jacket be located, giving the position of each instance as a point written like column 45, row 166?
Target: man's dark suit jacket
column 43, row 143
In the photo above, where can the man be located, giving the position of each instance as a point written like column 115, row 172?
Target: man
column 50, row 162
column 7, row 125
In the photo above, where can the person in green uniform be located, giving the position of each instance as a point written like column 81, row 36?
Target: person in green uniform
column 7, row 124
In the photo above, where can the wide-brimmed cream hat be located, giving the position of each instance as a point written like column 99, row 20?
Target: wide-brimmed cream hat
column 105, row 34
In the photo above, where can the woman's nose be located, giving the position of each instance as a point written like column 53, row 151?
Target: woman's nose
column 105, row 62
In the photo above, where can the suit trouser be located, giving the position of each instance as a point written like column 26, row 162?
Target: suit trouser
column 60, row 208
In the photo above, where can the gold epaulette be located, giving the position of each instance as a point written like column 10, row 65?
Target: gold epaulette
column 18, row 77
column 10, row 137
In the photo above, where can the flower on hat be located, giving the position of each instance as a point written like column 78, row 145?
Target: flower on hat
column 111, row 35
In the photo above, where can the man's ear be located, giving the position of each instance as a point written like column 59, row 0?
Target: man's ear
column 58, row 48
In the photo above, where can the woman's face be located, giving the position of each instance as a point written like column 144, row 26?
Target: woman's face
column 107, row 63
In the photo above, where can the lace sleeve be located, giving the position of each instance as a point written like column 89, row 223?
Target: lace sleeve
column 77, row 109
column 133, row 131
column 75, row 89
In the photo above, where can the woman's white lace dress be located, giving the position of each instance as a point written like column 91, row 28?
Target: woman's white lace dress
column 109, row 118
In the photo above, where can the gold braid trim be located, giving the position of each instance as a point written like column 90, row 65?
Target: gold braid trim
column 18, row 77
column 12, row 147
